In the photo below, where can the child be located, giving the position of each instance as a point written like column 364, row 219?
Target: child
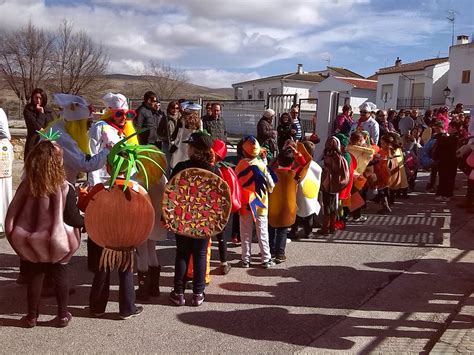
column 256, row 182
column 200, row 156
column 444, row 153
column 31, row 217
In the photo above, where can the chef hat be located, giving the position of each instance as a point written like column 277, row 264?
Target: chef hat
column 115, row 101
column 190, row 106
column 368, row 106
column 74, row 108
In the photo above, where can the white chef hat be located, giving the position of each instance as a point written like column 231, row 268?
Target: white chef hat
column 115, row 101
column 190, row 106
column 368, row 106
column 74, row 108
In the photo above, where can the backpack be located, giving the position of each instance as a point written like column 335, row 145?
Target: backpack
column 335, row 174
column 426, row 159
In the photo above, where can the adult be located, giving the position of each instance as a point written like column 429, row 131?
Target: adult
column 385, row 125
column 284, row 130
column 37, row 116
column 148, row 118
column 208, row 110
column 173, row 116
column 73, row 137
column 367, row 123
column 458, row 109
column 116, row 124
column 428, row 117
column 397, row 119
column 298, row 132
column 6, row 167
column 266, row 135
column 343, row 122
column 214, row 124
column 406, row 124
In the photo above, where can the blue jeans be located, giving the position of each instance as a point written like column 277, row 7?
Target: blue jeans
column 277, row 239
column 185, row 247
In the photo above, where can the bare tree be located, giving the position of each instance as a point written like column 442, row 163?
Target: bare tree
column 25, row 59
column 167, row 82
column 79, row 62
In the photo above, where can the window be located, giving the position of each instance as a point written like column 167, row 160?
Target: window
column 274, row 91
column 466, row 77
column 386, row 93
column 249, row 95
column 261, row 94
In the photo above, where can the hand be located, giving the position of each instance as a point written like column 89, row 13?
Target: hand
column 293, row 131
column 39, row 108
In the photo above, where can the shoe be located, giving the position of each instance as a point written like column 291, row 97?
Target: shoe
column 268, row 264
column 361, row 219
column 138, row 310
column 28, row 322
column 280, row 259
column 245, row 264
column 288, row 240
column 177, row 299
column 62, row 322
column 96, row 315
column 198, row 299
column 225, row 268
column 235, row 239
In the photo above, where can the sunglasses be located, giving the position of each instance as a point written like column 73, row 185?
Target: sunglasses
column 363, row 112
column 128, row 114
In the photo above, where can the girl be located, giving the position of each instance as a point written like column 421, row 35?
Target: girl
column 47, row 246
column 284, row 130
column 200, row 156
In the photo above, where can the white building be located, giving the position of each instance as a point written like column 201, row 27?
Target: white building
column 352, row 91
column 298, row 83
column 461, row 80
column 412, row 85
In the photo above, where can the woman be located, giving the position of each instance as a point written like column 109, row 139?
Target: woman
column 37, row 116
column 200, row 156
column 173, row 117
column 42, row 225
column 265, row 133
column 284, row 130
column 190, row 123
column 385, row 126
column 6, row 167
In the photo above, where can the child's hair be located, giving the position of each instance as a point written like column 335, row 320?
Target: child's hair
column 191, row 119
column 309, row 146
column 44, row 169
column 392, row 139
column 356, row 136
column 286, row 157
column 206, row 156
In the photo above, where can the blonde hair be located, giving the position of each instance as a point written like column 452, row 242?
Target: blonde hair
column 44, row 169
column 78, row 131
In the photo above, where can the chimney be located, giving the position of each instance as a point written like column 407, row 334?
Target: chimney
column 398, row 62
column 462, row 39
column 299, row 68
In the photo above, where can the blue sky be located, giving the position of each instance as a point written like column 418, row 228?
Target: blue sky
column 218, row 42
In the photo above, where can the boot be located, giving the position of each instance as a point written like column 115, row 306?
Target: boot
column 154, row 286
column 143, row 293
column 325, row 229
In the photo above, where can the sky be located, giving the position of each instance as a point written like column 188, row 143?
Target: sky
column 220, row 42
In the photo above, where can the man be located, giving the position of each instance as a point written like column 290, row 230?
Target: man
column 214, row 124
column 266, row 135
column 458, row 109
column 148, row 117
column 406, row 124
column 297, row 131
column 116, row 124
column 367, row 123
column 343, row 122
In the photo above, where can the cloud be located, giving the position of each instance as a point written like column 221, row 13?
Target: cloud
column 218, row 78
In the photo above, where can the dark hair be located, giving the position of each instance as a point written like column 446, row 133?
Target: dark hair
column 286, row 157
column 208, row 105
column 44, row 97
column 346, row 107
column 393, row 139
column 205, row 156
column 356, row 136
column 149, row 95
column 170, row 105
column 214, row 104
column 295, row 105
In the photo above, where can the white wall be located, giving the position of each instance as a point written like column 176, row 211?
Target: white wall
column 359, row 96
column 266, row 86
column 297, row 87
column 386, row 80
column 440, row 81
column 461, row 57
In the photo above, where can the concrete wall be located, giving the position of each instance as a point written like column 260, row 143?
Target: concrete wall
column 266, row 86
column 388, row 79
column 461, row 57
column 440, row 81
column 359, row 96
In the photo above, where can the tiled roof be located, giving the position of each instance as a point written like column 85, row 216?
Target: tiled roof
column 360, row 83
column 346, row 72
column 316, row 78
column 413, row 66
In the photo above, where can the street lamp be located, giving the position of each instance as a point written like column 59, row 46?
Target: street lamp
column 446, row 93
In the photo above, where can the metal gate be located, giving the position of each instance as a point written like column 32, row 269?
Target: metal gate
column 281, row 103
column 308, row 114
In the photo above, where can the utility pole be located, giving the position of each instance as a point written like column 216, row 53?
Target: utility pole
column 452, row 18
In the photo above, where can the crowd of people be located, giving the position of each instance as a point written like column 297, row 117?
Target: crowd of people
column 277, row 184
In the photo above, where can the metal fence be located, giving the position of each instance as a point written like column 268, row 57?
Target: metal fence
column 413, row 102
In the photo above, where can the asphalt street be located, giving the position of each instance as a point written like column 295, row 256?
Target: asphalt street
column 391, row 284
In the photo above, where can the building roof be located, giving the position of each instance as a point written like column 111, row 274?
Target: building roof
column 360, row 83
column 413, row 66
column 313, row 76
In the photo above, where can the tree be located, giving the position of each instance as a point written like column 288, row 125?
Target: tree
column 25, row 59
column 79, row 61
column 167, row 82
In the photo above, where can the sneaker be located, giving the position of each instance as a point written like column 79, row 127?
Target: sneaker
column 28, row 322
column 177, row 299
column 245, row 264
column 225, row 268
column 62, row 322
column 198, row 299
column 288, row 241
column 280, row 259
column 361, row 219
column 138, row 310
column 268, row 264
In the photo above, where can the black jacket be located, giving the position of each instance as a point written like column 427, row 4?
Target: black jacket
column 216, row 128
column 35, row 121
column 147, row 119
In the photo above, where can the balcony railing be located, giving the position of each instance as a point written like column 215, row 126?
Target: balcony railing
column 413, row 102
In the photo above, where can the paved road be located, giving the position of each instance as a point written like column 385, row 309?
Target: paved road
column 389, row 285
